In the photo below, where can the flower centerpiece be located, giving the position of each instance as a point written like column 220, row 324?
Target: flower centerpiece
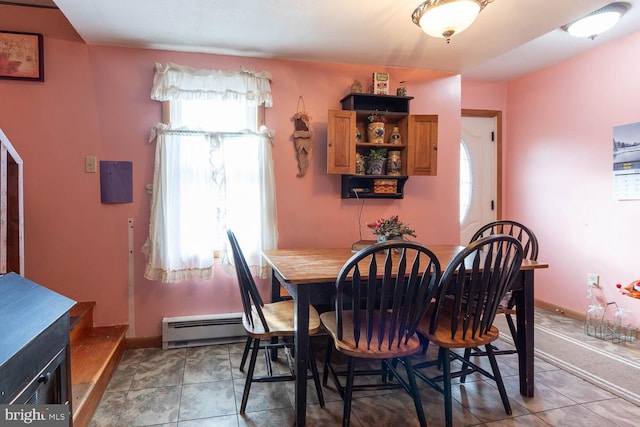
column 390, row 228
column 375, row 129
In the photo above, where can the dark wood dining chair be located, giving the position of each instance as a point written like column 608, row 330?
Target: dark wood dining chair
column 530, row 247
column 382, row 294
column 268, row 326
column 462, row 315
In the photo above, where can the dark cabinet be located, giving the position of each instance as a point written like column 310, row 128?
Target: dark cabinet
column 34, row 343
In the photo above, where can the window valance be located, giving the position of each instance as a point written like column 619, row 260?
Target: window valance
column 179, row 82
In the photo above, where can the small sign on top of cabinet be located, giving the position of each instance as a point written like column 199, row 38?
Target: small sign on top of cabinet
column 349, row 144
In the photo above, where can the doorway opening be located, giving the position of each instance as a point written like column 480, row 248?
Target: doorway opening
column 480, row 170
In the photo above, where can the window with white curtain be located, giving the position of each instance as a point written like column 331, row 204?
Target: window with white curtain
column 213, row 170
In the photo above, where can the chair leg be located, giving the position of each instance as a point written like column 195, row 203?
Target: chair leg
column 498, row 378
column 346, row 415
column 512, row 329
column 386, row 372
column 415, row 393
column 316, row 377
column 467, row 356
column 394, row 365
column 245, row 353
column 249, row 378
column 267, row 360
column 424, row 344
column 327, row 361
column 445, row 361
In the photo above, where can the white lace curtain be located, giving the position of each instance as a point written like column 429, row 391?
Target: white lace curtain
column 175, row 82
column 205, row 182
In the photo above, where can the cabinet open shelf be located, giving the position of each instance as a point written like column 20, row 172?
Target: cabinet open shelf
column 364, row 186
column 389, row 147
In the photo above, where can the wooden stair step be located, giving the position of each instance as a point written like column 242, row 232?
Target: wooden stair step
column 81, row 320
column 95, row 354
column 96, row 348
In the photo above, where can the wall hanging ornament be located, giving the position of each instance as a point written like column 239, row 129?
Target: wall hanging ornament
column 302, row 137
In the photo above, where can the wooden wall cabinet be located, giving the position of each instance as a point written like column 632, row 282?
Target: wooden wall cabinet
column 418, row 147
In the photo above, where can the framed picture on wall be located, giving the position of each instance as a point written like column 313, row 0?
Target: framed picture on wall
column 21, row 56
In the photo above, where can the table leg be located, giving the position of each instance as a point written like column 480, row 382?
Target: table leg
column 524, row 319
column 275, row 288
column 301, row 302
column 275, row 296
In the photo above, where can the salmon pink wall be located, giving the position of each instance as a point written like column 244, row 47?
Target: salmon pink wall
column 95, row 101
column 479, row 95
column 559, row 172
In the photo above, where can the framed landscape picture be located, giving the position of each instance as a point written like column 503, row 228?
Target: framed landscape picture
column 21, row 56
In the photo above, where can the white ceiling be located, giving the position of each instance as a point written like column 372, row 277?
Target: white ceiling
column 510, row 37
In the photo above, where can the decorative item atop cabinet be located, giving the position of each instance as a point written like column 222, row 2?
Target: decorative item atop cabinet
column 380, row 83
column 417, row 147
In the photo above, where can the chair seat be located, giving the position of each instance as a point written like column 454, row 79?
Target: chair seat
column 279, row 320
column 442, row 336
column 347, row 344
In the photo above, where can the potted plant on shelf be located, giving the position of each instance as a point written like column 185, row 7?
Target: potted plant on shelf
column 390, row 229
column 375, row 129
column 376, row 160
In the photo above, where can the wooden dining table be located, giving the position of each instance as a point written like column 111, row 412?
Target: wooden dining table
column 309, row 275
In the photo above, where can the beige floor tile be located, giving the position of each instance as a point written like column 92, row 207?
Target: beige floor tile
column 202, row 386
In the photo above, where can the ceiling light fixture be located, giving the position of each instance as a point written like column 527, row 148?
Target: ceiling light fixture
column 444, row 18
column 598, row 21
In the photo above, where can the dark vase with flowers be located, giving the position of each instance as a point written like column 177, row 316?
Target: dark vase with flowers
column 376, row 160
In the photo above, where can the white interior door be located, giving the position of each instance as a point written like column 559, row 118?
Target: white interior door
column 478, row 174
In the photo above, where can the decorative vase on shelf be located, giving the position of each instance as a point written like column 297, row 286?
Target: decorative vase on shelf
column 394, row 163
column 360, row 170
column 395, row 137
column 375, row 167
column 375, row 132
column 358, row 135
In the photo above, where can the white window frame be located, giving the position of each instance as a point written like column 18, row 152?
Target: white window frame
column 169, row 257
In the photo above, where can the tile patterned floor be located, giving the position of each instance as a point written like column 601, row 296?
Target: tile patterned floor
column 202, row 386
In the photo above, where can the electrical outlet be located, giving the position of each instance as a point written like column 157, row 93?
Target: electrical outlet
column 90, row 164
column 593, row 280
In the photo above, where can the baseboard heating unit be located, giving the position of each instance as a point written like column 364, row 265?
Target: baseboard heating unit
column 192, row 331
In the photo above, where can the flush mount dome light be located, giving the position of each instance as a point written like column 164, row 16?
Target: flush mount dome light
column 598, row 21
column 444, row 18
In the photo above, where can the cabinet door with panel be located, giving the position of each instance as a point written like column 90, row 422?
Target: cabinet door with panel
column 422, row 146
column 341, row 142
